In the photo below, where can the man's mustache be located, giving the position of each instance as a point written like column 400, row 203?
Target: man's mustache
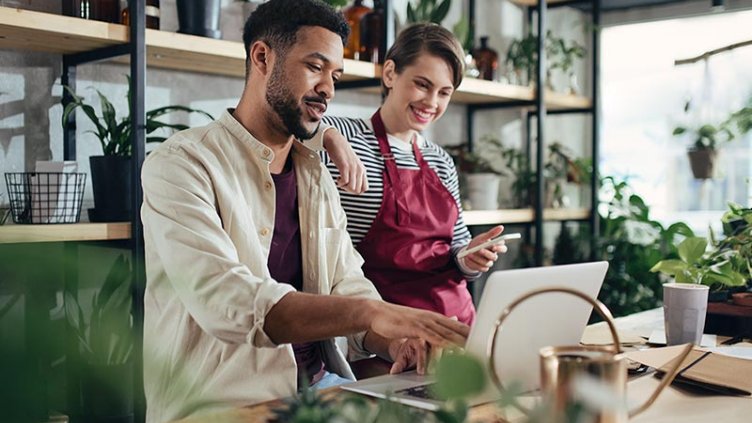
column 316, row 99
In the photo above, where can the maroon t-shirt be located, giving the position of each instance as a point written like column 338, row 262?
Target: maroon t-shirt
column 285, row 263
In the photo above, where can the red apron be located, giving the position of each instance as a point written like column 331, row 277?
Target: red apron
column 407, row 251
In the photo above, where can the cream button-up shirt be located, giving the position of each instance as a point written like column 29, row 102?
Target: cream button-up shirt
column 208, row 216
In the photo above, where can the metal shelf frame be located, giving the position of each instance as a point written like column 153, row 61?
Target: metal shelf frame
column 539, row 110
column 135, row 48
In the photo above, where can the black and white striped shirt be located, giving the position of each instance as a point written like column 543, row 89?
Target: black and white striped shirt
column 362, row 209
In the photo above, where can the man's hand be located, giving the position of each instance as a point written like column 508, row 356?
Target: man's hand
column 407, row 354
column 393, row 321
column 481, row 261
column 352, row 172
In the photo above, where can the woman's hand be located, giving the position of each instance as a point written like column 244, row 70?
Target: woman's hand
column 352, row 172
column 481, row 261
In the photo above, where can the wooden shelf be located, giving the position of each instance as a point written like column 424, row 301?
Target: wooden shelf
column 510, row 216
column 479, row 91
column 531, row 3
column 10, row 233
column 45, row 32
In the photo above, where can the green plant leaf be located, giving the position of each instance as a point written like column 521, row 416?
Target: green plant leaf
column 692, row 249
column 680, row 228
column 461, row 30
column 459, row 376
column 669, row 267
column 679, row 130
column 411, row 18
column 108, row 112
column 438, row 14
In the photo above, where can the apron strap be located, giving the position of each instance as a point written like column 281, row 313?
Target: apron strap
column 390, row 169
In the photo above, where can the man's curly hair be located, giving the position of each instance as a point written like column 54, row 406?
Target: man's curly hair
column 277, row 22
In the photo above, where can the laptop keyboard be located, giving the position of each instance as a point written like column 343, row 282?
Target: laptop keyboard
column 421, row 391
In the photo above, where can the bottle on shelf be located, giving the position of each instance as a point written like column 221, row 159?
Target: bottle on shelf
column 372, row 45
column 471, row 69
column 486, row 59
column 152, row 14
column 98, row 10
column 353, row 15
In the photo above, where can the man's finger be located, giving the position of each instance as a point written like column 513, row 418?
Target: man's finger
column 456, row 327
column 450, row 334
column 399, row 365
column 421, row 355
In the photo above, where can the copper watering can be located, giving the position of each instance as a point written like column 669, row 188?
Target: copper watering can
column 561, row 367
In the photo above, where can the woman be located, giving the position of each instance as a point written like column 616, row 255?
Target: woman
column 408, row 225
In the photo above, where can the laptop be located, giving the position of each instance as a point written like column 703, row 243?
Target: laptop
column 543, row 320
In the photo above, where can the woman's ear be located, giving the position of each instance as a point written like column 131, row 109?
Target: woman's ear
column 389, row 73
column 260, row 57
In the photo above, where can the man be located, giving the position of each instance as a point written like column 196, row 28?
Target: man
column 250, row 269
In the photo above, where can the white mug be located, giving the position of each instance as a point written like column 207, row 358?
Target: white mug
column 684, row 309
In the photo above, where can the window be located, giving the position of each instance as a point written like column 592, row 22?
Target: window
column 643, row 98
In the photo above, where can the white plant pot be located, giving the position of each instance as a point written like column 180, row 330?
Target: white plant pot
column 483, row 191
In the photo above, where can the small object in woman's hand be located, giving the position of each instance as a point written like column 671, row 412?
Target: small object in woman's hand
column 490, row 242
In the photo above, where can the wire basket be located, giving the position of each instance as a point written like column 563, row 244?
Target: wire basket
column 41, row 197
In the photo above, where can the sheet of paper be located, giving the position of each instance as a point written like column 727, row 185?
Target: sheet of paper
column 655, row 357
column 658, row 337
column 46, row 204
column 599, row 334
column 733, row 351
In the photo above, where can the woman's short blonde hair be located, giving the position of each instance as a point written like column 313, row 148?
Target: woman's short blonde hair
column 428, row 38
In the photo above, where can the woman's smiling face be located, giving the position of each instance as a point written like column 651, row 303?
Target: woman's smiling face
column 420, row 94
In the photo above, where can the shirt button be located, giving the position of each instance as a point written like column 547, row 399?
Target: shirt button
column 310, row 234
column 268, row 185
column 312, row 275
column 266, row 152
column 264, row 231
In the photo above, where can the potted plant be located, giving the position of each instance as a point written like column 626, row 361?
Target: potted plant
column 560, row 168
column 522, row 59
column 106, row 344
column 111, row 172
column 736, row 245
column 562, row 56
column 518, row 165
column 199, row 17
column 481, row 178
column 715, row 268
column 707, row 138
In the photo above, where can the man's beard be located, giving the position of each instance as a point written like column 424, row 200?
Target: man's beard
column 284, row 105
